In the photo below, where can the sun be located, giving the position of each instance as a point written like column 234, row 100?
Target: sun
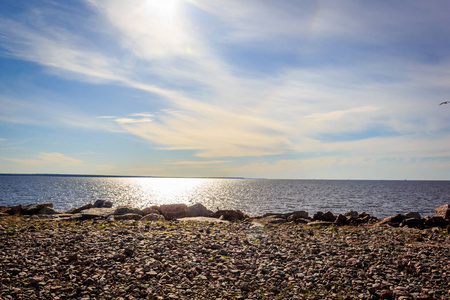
column 163, row 9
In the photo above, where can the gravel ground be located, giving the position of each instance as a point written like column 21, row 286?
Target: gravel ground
column 203, row 260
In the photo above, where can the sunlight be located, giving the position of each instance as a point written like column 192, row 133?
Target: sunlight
column 167, row 190
column 164, row 10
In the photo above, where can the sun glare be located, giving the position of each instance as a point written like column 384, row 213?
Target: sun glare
column 163, row 9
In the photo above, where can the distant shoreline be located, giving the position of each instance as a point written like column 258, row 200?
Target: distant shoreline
column 114, row 176
column 212, row 177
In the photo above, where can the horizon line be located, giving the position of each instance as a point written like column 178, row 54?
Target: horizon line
column 204, row 177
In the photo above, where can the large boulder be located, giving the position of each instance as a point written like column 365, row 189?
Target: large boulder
column 320, row 216
column 435, row 222
column 94, row 213
column 230, row 215
column 150, row 210
column 443, row 211
column 34, row 209
column 79, row 209
column 298, row 216
column 152, row 217
column 351, row 213
column 123, row 210
column 413, row 223
column 14, row 210
column 174, row 211
column 199, row 210
column 413, row 215
column 102, row 204
column 394, row 220
column 48, row 211
column 129, row 216
column 342, row 220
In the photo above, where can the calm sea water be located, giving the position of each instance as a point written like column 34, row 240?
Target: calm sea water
column 253, row 196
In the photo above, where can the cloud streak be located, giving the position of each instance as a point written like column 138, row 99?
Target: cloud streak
column 48, row 158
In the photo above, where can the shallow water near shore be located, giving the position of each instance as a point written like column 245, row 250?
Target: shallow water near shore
column 253, row 196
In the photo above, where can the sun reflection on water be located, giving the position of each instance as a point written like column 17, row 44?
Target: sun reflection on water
column 158, row 191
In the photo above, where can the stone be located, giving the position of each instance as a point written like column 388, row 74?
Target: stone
column 174, row 211
column 80, row 209
column 272, row 220
column 351, row 213
column 72, row 257
column 94, row 213
column 320, row 216
column 152, row 217
column 443, row 211
column 150, row 210
column 413, row 223
column 341, row 220
column 394, row 220
column 48, row 211
column 223, row 252
column 128, row 251
column 102, row 204
column 123, row 210
column 230, row 215
column 320, row 223
column 14, row 210
column 435, row 222
column 36, row 279
column 199, row 210
column 413, row 215
column 209, row 220
column 129, row 216
column 328, row 216
column 296, row 215
column 34, row 209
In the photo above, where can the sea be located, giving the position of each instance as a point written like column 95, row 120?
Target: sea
column 379, row 198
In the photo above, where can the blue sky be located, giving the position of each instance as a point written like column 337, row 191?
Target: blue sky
column 290, row 89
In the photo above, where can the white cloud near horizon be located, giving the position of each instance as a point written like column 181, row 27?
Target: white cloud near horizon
column 48, row 158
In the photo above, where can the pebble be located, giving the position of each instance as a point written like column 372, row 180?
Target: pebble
column 197, row 260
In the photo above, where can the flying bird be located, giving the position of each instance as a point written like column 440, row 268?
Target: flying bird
column 445, row 102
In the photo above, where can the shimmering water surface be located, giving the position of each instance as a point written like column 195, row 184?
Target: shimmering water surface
column 254, row 196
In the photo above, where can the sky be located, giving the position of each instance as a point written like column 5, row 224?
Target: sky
column 197, row 88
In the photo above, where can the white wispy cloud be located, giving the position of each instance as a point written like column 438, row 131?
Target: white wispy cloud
column 198, row 163
column 48, row 158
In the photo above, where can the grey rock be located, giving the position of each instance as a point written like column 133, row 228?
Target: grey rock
column 48, row 211
column 296, row 215
column 152, row 217
column 150, row 210
column 320, row 223
column 123, row 210
column 320, row 216
column 230, row 215
column 102, row 204
column 174, row 211
column 351, row 213
column 413, row 215
column 199, row 210
column 443, row 211
column 129, row 216
column 394, row 220
column 79, row 209
column 413, row 223
column 93, row 213
column 34, row 209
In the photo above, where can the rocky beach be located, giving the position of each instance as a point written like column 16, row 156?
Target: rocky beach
column 180, row 252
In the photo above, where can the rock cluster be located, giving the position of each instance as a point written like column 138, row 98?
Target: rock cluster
column 105, row 259
column 102, row 209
